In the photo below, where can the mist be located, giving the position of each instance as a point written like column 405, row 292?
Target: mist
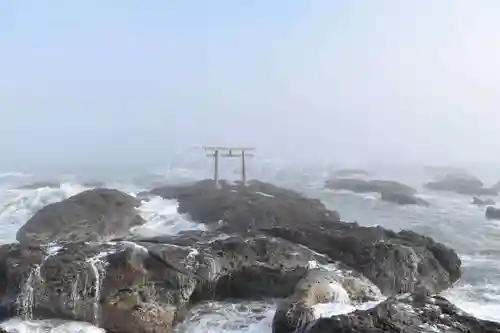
column 125, row 83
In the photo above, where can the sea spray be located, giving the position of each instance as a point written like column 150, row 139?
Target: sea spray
column 26, row 298
column 97, row 265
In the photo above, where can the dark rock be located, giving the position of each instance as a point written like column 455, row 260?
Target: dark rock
column 403, row 199
column 401, row 314
column 395, row 262
column 480, row 202
column 148, row 285
column 94, row 215
column 369, row 186
column 351, row 172
column 492, row 213
column 243, row 208
column 462, row 184
column 127, row 287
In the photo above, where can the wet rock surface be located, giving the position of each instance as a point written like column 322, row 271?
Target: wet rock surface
column 395, row 262
column 94, row 215
column 404, row 314
column 147, row 286
column 242, row 208
column 262, row 242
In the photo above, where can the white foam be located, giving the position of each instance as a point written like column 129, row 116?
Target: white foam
column 27, row 296
column 97, row 265
column 464, row 296
column 162, row 218
column 19, row 205
column 338, row 308
column 341, row 295
column 265, row 194
column 17, row 325
column 222, row 317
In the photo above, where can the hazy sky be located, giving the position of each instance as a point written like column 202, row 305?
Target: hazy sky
column 123, row 81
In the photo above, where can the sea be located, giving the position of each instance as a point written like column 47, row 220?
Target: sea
column 450, row 219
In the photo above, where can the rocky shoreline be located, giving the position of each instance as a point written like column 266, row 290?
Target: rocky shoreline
column 75, row 260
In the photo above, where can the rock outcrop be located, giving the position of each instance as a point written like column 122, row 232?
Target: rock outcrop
column 403, row 199
column 262, row 243
column 369, row 186
column 147, row 286
column 390, row 191
column 462, row 184
column 492, row 213
column 242, row 208
column 407, row 313
column 94, row 215
column 482, row 202
column 395, row 262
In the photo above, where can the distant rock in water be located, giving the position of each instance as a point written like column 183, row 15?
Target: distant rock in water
column 369, row 186
column 482, row 202
column 93, row 215
column 462, row 184
column 492, row 213
column 390, row 191
column 351, row 172
column 403, row 199
column 408, row 313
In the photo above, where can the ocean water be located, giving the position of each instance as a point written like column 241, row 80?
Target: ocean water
column 450, row 219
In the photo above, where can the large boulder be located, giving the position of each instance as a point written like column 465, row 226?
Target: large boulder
column 369, row 186
column 94, row 215
column 242, row 208
column 146, row 286
column 418, row 312
column 461, row 183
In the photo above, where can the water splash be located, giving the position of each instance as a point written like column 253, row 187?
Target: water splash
column 97, row 265
column 17, row 325
column 26, row 298
column 163, row 219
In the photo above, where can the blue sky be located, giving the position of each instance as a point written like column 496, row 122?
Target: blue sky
column 123, row 81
